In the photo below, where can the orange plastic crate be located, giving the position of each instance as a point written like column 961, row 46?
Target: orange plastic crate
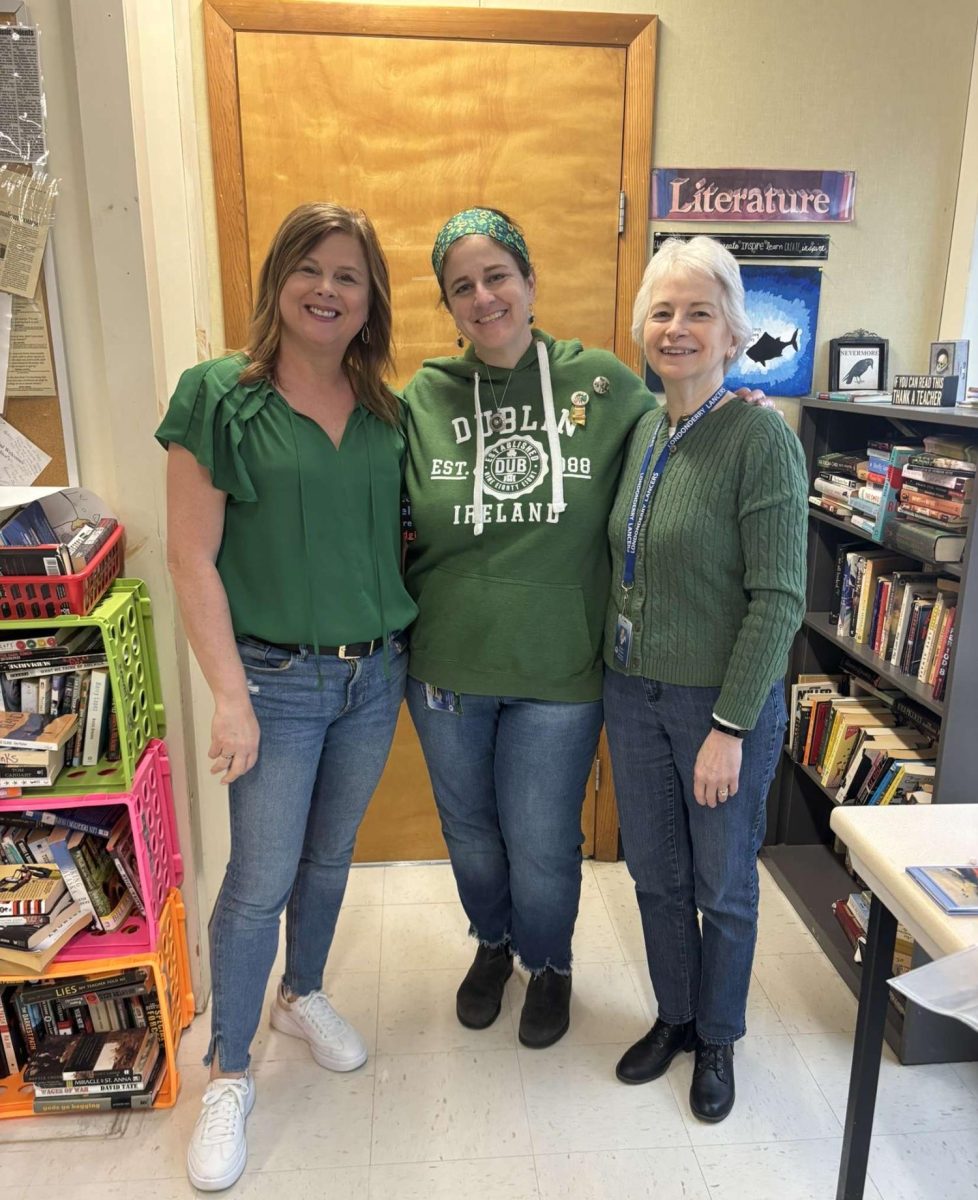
column 170, row 965
column 41, row 597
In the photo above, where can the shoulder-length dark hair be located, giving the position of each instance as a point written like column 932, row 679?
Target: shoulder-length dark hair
column 366, row 363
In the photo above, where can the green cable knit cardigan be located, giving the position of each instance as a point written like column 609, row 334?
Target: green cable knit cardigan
column 720, row 574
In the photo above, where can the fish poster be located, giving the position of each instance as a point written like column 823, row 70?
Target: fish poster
column 782, row 304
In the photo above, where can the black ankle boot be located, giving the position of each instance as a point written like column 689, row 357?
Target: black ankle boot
column 711, row 1094
column 546, row 1010
column 480, row 995
column 650, row 1057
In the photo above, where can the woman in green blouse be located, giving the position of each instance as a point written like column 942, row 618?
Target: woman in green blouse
column 283, row 486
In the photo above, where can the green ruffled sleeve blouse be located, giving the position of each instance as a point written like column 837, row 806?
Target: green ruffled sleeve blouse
column 311, row 546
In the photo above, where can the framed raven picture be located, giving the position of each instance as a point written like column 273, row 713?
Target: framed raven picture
column 857, row 362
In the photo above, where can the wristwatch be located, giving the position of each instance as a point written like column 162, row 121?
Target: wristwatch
column 729, row 729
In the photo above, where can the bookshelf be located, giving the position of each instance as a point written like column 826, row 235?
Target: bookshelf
column 799, row 850
column 138, row 785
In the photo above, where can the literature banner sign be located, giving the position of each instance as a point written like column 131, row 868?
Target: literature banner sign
column 782, row 303
column 749, row 194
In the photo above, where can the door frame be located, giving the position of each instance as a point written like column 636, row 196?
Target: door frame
column 635, row 33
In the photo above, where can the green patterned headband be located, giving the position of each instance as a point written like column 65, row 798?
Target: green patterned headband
column 477, row 220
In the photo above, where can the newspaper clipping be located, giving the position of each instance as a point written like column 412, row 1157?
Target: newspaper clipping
column 21, row 101
column 26, row 213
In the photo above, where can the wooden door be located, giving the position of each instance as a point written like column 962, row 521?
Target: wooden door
column 412, row 114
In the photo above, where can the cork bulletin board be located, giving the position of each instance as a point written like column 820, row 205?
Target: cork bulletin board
column 44, row 418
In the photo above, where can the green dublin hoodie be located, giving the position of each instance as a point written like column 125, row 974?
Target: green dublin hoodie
column 510, row 500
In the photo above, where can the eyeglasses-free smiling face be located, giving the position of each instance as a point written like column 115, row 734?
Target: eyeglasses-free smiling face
column 325, row 302
column 489, row 299
column 687, row 338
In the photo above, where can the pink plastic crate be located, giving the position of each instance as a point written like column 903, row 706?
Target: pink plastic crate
column 150, row 805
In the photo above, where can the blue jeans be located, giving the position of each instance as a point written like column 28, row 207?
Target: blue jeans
column 509, row 777
column 326, row 729
column 684, row 856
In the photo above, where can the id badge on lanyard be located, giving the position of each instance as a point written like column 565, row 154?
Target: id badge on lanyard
column 645, row 489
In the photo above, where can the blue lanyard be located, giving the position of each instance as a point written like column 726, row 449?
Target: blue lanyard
column 645, row 488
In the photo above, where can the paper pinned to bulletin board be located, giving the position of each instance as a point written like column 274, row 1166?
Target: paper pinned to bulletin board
column 36, row 399
column 37, row 438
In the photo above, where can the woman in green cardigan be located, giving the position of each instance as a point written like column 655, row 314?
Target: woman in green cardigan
column 708, row 570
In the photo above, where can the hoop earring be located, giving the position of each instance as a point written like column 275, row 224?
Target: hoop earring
column 365, row 335
column 460, row 342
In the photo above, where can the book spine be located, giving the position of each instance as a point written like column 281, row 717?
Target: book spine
column 95, row 718
column 49, row 666
column 87, row 1089
column 940, row 684
column 105, row 1103
column 99, row 900
column 70, row 874
column 79, row 739
column 71, row 820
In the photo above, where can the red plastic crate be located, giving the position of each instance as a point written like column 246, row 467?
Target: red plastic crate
column 37, row 597
column 150, row 805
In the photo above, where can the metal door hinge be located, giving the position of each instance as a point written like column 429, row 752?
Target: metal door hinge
column 621, row 212
column 597, row 774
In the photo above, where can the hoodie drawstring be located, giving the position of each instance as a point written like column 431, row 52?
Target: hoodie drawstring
column 553, row 435
column 480, row 461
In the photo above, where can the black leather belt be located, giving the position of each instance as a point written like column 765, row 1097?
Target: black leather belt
column 350, row 650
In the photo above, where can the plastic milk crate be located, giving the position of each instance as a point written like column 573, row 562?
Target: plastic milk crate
column 160, row 865
column 124, row 617
column 41, row 597
column 169, row 966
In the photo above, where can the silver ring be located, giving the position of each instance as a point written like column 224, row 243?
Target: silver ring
column 723, row 791
column 227, row 757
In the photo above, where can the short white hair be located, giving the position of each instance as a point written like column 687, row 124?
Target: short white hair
column 703, row 256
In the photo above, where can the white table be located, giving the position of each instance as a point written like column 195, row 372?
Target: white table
column 882, row 843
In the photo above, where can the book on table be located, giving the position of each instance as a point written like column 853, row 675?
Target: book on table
column 955, row 889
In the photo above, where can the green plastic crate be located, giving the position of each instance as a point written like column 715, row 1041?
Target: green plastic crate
column 124, row 615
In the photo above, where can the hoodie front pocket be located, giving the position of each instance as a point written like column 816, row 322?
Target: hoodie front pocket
column 503, row 626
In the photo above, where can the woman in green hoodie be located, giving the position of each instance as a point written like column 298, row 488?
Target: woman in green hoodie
column 515, row 449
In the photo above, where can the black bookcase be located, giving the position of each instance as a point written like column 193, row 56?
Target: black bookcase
column 799, row 851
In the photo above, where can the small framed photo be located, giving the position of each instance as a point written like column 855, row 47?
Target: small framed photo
column 857, row 362
column 949, row 358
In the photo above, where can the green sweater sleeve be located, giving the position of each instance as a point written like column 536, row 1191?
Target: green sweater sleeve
column 773, row 518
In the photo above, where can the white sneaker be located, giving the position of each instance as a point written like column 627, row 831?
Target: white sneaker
column 218, row 1150
column 333, row 1041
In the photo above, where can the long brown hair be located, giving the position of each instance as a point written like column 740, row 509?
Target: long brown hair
column 366, row 363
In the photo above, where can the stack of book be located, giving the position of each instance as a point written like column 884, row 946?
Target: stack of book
column 89, row 854
column 51, row 682
column 862, row 486
column 841, row 475
column 38, row 915
column 30, row 546
column 85, row 1043
column 852, row 913
column 45, row 1014
column 937, row 491
column 861, row 746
